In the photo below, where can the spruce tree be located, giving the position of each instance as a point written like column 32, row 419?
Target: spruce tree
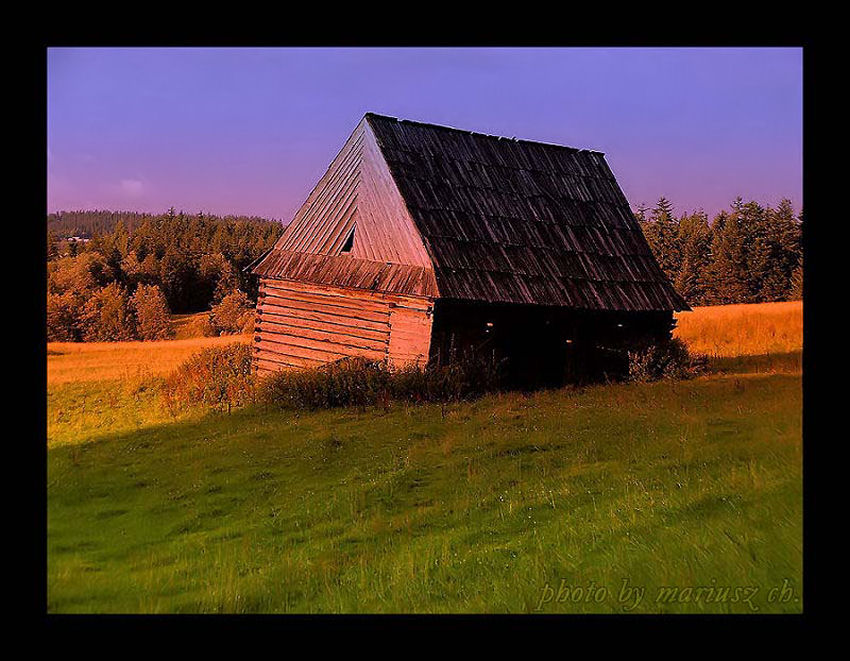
column 662, row 233
column 758, row 249
column 728, row 271
column 695, row 240
column 796, row 289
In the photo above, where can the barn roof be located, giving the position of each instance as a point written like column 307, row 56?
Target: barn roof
column 493, row 219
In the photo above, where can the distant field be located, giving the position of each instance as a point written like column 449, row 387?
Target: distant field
column 75, row 362
column 721, row 331
column 727, row 331
column 473, row 507
column 186, row 325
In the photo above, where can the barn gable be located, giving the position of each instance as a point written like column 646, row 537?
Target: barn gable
column 485, row 218
column 356, row 210
column 350, row 275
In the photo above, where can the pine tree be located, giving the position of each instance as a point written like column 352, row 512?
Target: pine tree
column 52, row 250
column 784, row 238
column 727, row 275
column 640, row 214
column 796, row 289
column 662, row 233
column 121, row 238
column 695, row 240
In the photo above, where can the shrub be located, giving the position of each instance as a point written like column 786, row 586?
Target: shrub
column 233, row 315
column 107, row 316
column 218, row 377
column 81, row 275
column 62, row 322
column 346, row 382
column 153, row 319
column 360, row 382
column 664, row 360
column 468, row 376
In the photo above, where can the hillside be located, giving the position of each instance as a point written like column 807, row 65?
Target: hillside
column 492, row 505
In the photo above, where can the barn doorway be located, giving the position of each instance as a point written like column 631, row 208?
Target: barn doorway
column 537, row 346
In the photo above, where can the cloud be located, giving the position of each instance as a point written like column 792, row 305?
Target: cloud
column 132, row 187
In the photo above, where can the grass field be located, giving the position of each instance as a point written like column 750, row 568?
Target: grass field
column 506, row 504
column 78, row 362
column 729, row 331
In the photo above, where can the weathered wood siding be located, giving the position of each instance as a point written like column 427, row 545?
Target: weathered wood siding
column 410, row 332
column 305, row 325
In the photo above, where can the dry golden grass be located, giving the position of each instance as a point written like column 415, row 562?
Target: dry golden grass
column 69, row 362
column 727, row 331
column 719, row 331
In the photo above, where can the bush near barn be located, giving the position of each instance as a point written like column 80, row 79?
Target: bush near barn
column 664, row 360
column 360, row 382
column 217, row 377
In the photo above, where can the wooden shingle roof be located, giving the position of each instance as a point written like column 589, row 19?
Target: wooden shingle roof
column 497, row 219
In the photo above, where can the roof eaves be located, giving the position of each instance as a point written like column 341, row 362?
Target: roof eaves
column 374, row 115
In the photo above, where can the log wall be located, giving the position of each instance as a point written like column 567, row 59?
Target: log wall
column 305, row 325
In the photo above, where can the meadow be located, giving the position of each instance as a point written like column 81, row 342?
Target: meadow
column 667, row 497
column 730, row 331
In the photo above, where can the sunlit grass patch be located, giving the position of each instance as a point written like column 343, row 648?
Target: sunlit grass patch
column 743, row 330
column 414, row 510
column 73, row 362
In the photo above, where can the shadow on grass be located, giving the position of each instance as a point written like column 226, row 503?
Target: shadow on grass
column 265, row 511
column 211, row 423
column 772, row 363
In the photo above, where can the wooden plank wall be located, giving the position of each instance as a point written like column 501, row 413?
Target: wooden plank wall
column 410, row 333
column 305, row 325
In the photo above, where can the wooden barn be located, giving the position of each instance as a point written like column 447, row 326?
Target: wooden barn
column 423, row 241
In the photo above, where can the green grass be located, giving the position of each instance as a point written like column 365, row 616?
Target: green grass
column 87, row 410
column 471, row 508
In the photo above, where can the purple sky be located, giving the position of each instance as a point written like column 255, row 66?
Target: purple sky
column 250, row 131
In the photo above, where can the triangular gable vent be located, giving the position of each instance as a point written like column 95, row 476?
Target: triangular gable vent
column 349, row 242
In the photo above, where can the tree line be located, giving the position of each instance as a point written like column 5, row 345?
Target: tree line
column 89, row 223
column 115, row 285
column 747, row 254
column 133, row 270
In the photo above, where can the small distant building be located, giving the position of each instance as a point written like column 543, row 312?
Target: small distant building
column 423, row 241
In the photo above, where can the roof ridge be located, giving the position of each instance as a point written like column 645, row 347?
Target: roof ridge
column 454, row 129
